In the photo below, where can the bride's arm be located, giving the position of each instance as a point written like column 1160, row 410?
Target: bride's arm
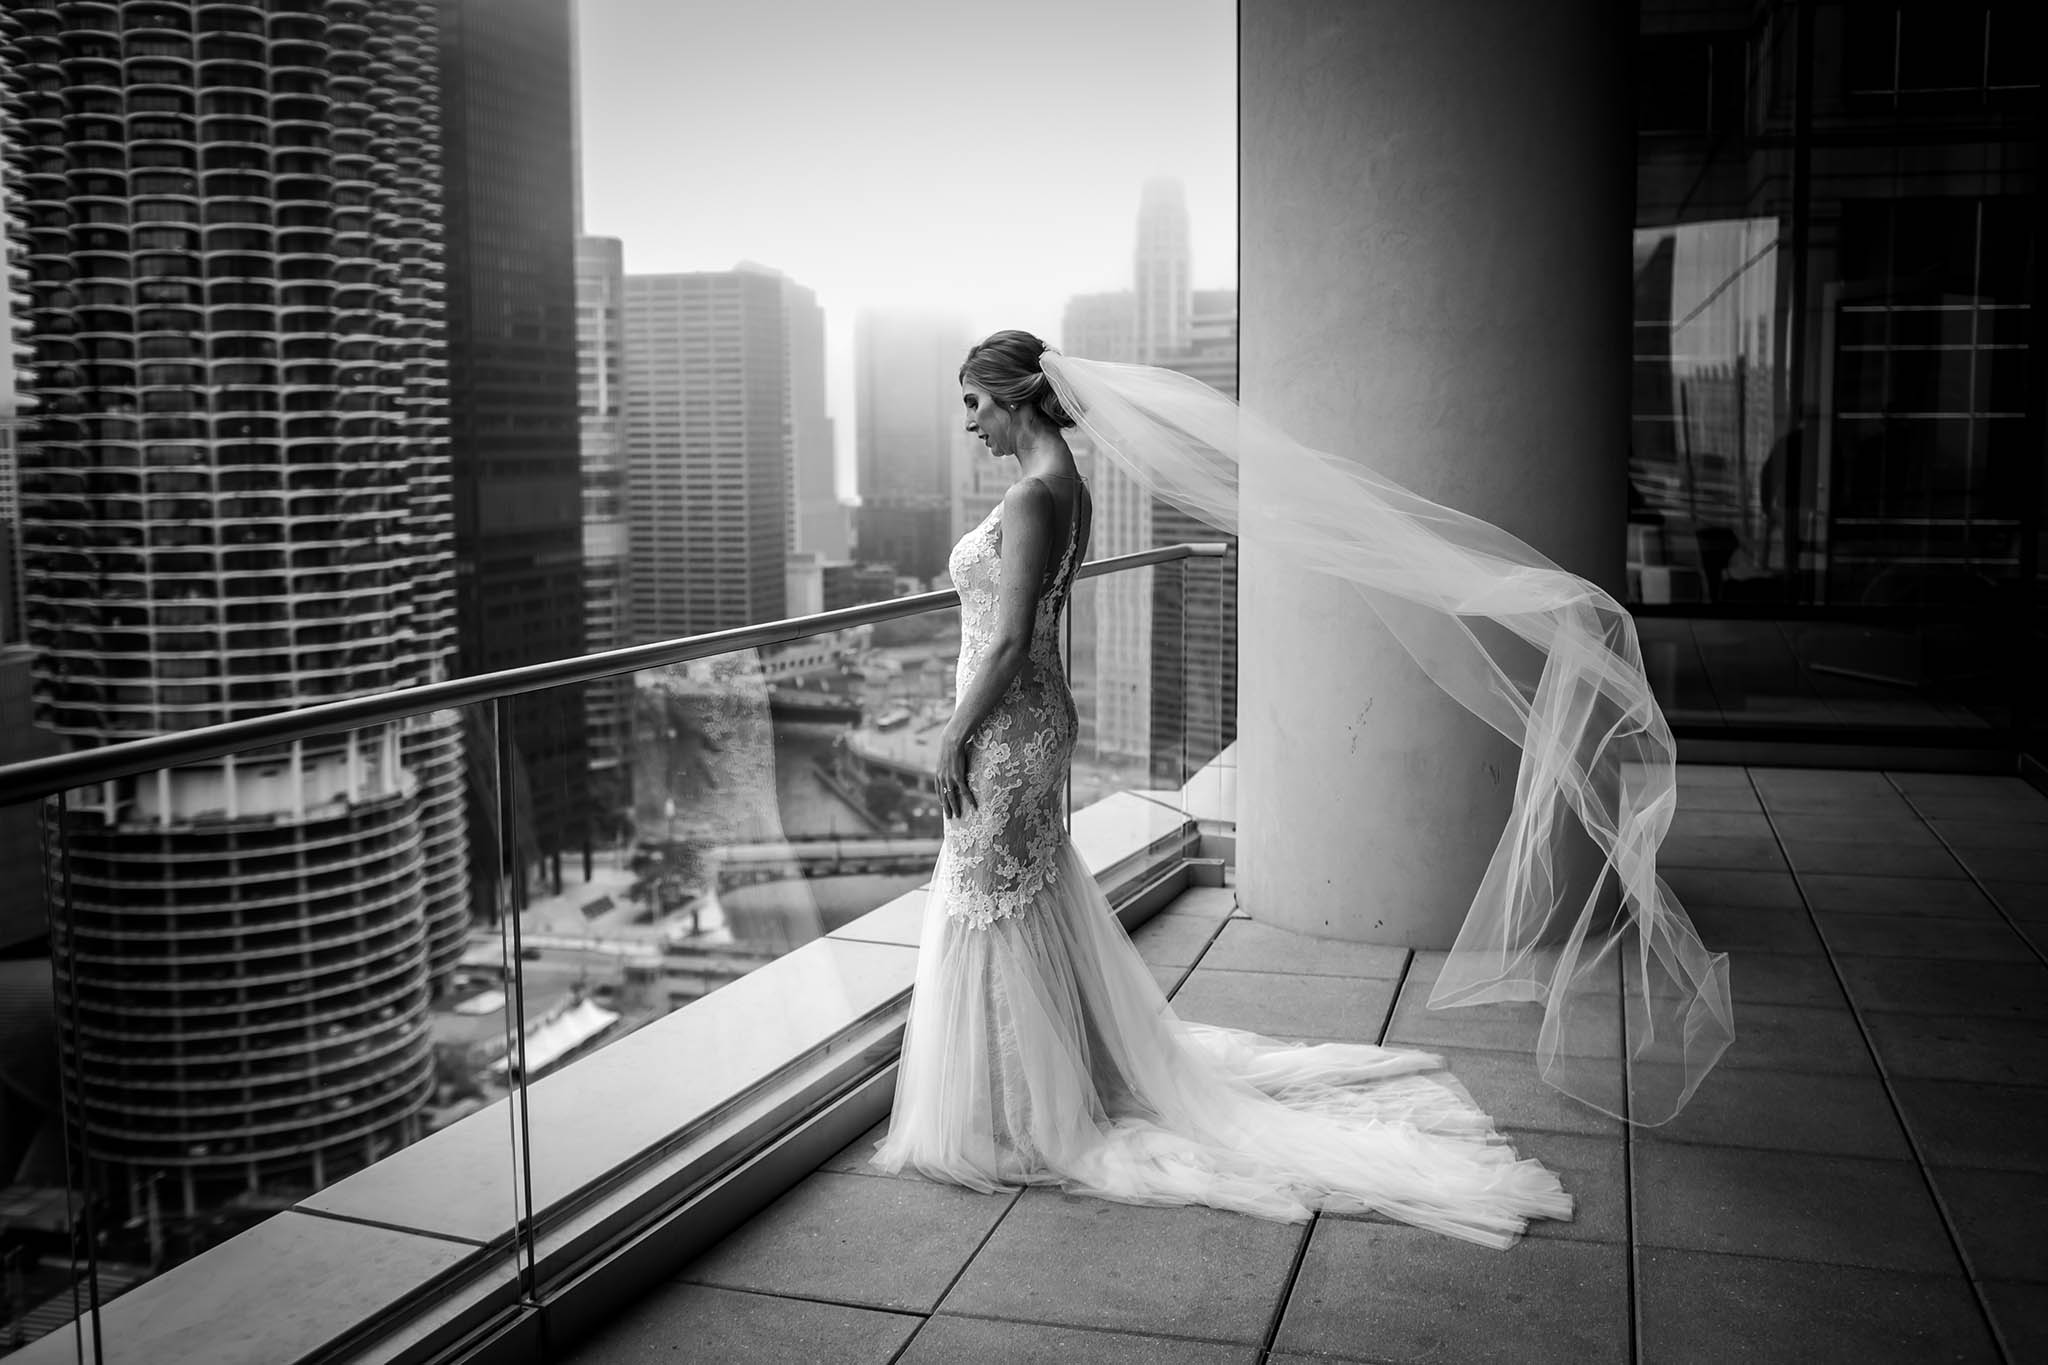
column 1028, row 514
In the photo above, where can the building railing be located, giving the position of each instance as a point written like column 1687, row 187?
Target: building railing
column 160, row 855
column 47, row 776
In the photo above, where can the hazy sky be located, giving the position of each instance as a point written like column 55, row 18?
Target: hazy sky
column 958, row 155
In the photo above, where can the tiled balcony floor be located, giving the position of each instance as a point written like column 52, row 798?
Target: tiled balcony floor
column 1864, row 1179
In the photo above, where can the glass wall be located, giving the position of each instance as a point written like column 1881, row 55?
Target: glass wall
column 1836, row 494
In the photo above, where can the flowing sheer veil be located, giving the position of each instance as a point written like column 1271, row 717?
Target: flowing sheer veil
column 1542, row 655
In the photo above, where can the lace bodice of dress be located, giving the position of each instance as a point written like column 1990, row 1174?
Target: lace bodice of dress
column 1003, row 852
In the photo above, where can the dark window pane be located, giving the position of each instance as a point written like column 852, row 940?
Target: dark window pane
column 1674, row 85
column 1941, row 47
column 1868, row 33
column 2015, row 46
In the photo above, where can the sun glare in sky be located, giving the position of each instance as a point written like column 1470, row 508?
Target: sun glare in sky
column 965, row 157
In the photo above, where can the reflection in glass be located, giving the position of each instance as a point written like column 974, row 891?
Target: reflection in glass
column 1834, row 502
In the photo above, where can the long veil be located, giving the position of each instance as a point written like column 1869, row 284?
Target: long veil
column 1542, row 655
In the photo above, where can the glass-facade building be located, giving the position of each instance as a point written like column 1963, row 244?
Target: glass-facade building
column 1836, row 496
column 235, row 500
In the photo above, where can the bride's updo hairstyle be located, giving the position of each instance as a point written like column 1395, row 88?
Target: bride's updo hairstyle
column 1005, row 366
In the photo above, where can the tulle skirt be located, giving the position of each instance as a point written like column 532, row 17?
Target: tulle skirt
column 1041, row 1051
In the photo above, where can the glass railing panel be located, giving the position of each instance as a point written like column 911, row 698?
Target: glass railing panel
column 1113, row 625
column 1203, row 710
column 258, row 980
column 762, row 800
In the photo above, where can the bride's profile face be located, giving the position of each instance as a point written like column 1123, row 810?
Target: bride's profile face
column 987, row 419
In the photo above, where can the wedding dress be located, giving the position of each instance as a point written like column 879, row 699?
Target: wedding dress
column 1040, row 1050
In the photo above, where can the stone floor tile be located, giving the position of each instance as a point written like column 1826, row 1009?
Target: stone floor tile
column 818, row 1241
column 1748, row 854
column 1168, row 979
column 2024, row 901
column 1726, row 929
column 1186, row 1271
column 2031, row 807
column 1735, row 800
column 950, row 1340
column 1343, row 1008
column 1783, row 979
column 2010, row 990
column 2006, row 864
column 1998, row 1217
column 2035, row 932
column 1871, row 859
column 1967, row 1123
column 1922, row 936
column 2019, row 1314
column 1171, row 939
column 1701, row 1309
column 1593, row 1030
column 1786, row 1111
column 707, row 1326
column 1798, row 1038
column 1944, row 1047
column 1215, row 903
column 1874, row 805
column 852, row 1159
column 1831, row 781
column 1713, row 775
column 1719, row 823
column 1508, row 1087
column 1733, row 887
column 1383, row 1292
column 1940, row 897
column 1983, row 786
column 1248, row 946
column 1900, row 827
column 1993, row 833
column 1789, row 1205
column 1594, row 1171
column 1761, row 978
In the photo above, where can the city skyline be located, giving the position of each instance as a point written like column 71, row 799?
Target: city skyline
column 852, row 186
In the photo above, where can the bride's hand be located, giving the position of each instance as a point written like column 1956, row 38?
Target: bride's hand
column 954, row 794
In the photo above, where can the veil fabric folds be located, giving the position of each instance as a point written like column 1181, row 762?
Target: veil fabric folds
column 1545, row 657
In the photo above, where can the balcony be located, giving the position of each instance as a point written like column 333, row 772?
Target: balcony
column 1852, row 1183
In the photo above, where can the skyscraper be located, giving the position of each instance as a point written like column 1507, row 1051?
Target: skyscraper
column 817, row 520
column 1150, row 324
column 910, row 438
column 23, row 910
column 1194, row 609
column 601, row 381
column 235, row 501
column 509, row 177
column 709, row 431
column 1162, row 273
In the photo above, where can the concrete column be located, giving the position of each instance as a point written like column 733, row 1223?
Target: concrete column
column 1436, row 207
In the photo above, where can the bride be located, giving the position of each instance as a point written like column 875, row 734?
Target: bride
column 1039, row 1048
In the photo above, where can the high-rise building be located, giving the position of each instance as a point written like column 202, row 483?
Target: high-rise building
column 601, row 381
column 911, row 437
column 23, row 909
column 1150, row 324
column 1194, row 608
column 508, row 153
column 709, row 432
column 1100, row 326
column 1162, row 277
column 1163, row 670
column 236, row 501
column 817, row 519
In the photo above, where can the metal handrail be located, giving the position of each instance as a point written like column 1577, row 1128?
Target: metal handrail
column 38, row 777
